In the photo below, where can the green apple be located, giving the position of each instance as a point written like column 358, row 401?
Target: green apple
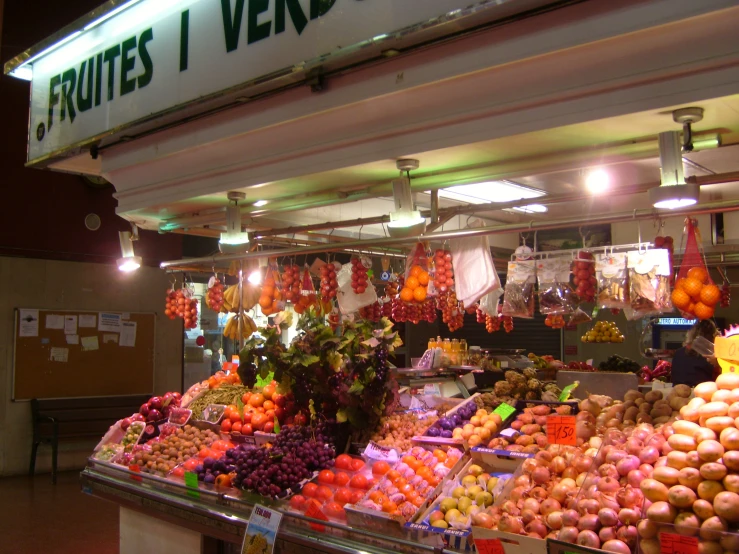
column 464, row 503
column 448, row 504
column 436, row 516
column 459, row 492
column 452, row 515
column 440, row 523
column 484, row 499
column 475, row 470
column 468, row 480
column 473, row 491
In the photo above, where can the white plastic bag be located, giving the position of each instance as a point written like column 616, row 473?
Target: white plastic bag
column 350, row 301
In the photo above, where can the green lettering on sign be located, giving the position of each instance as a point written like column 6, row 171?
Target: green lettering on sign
column 69, row 81
column 127, row 64
column 567, row 391
column 296, row 16
column 54, row 82
column 257, row 31
column 84, row 104
column 145, row 78
column 109, row 56
column 504, row 410
column 232, row 25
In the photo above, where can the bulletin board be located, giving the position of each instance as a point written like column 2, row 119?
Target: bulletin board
column 75, row 353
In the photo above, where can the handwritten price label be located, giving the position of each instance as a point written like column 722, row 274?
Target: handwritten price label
column 504, row 410
column 561, row 430
column 670, row 543
column 314, row 511
column 489, row 546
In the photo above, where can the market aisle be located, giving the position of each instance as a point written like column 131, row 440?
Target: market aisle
column 40, row 517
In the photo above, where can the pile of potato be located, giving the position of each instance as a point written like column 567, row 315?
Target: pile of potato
column 652, row 407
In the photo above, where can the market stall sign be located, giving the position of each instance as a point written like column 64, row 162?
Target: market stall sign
column 561, row 430
column 489, row 546
column 191, row 482
column 261, row 530
column 671, row 543
column 144, row 58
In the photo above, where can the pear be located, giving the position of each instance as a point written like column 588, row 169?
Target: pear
column 475, row 470
column 473, row 491
column 469, row 480
column 452, row 515
column 440, row 523
column 459, row 492
column 436, row 516
column 464, row 503
column 472, row 510
column 484, row 499
column 491, row 483
column 448, row 504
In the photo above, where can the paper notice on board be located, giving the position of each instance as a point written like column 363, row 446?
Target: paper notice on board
column 88, row 321
column 110, row 337
column 55, row 321
column 89, row 343
column 110, row 323
column 125, row 315
column 128, row 333
column 73, row 339
column 59, row 354
column 70, row 324
column 28, row 323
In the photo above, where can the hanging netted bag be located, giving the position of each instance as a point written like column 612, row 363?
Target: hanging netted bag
column 695, row 293
column 649, row 283
column 555, row 294
column 518, row 297
column 415, row 286
column 613, row 281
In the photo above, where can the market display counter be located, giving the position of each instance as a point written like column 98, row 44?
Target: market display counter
column 186, row 521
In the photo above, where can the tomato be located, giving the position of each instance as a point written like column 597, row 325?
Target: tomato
column 324, row 493
column 309, row 490
column 226, row 425
column 212, row 382
column 357, row 464
column 191, row 464
column 279, row 400
column 236, row 426
column 343, row 496
column 258, row 421
column 204, row 453
column 268, row 391
column 297, row 502
column 247, row 417
column 268, row 405
column 247, row 429
column 334, row 510
column 280, row 413
column 270, row 414
column 269, row 427
column 245, row 398
column 380, row 468
column 357, row 496
column 256, row 400
column 358, row 482
column 178, row 472
column 235, row 417
column 326, row 477
column 341, row 478
column 343, row 461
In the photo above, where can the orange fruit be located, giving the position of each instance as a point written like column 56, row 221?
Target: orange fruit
column 419, row 294
column 699, row 273
column 389, row 507
column 680, row 299
column 710, row 295
column 680, row 283
column 415, row 271
column 693, row 287
column 392, row 476
column 380, row 468
column 377, row 496
column 439, row 455
column 265, row 301
column 691, row 308
column 418, row 501
column 423, row 278
column 702, row 311
column 412, row 282
column 406, row 294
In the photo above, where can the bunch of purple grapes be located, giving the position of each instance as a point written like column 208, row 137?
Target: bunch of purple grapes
column 292, row 437
column 303, row 390
column 248, row 374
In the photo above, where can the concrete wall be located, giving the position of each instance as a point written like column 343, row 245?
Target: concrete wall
column 44, row 284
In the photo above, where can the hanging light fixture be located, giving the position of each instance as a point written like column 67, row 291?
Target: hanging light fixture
column 674, row 192
column 234, row 240
column 128, row 261
column 405, row 220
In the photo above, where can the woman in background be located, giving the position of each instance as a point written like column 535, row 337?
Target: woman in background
column 689, row 367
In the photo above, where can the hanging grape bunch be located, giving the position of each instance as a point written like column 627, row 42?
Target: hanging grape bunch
column 391, row 292
column 373, row 312
column 398, row 309
column 329, row 285
column 583, row 276
column 214, row 296
column 291, row 282
column 360, row 279
column 443, row 270
column 428, row 310
column 725, row 295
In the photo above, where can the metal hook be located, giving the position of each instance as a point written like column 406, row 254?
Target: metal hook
column 536, row 236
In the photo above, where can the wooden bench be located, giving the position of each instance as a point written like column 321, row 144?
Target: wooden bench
column 77, row 419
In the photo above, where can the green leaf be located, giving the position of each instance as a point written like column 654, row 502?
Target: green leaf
column 357, row 387
column 341, row 416
column 309, row 360
column 334, row 361
column 264, row 381
column 240, row 406
column 277, row 426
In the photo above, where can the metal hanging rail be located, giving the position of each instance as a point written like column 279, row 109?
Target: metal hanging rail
column 374, row 244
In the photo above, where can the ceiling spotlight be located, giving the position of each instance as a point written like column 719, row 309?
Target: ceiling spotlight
column 674, row 192
column 255, row 277
column 234, row 240
column 260, row 203
column 531, row 209
column 128, row 261
column 405, row 221
column 597, row 181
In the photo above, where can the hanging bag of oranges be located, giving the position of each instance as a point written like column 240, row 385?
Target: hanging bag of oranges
column 695, row 294
column 415, row 286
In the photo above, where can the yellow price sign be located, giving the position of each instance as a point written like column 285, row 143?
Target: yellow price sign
column 726, row 350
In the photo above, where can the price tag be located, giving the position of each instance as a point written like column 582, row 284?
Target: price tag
column 671, row 543
column 431, row 389
column 191, row 482
column 376, row 452
column 489, row 546
column 504, row 410
column 314, row 511
column 561, row 430
column 567, row 391
column 261, row 530
column 135, row 469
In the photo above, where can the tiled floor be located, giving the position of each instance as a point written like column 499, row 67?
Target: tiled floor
column 36, row 517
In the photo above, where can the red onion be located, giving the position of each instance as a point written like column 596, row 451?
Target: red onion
column 640, row 433
column 609, row 485
column 554, row 520
column 540, row 475
column 568, row 534
column 549, row 505
column 589, row 522
column 588, row 538
column 608, row 501
column 537, row 527
column 617, row 546
column 531, row 504
column 582, row 463
column 607, row 534
column 649, row 454
column 624, row 465
column 527, row 516
column 590, row 506
column 585, row 416
column 635, row 477
column 615, row 455
column 570, row 518
column 608, row 470
column 633, row 446
column 584, row 429
column 627, row 534
column 509, row 524
column 608, row 517
column 628, row 516
column 630, row 497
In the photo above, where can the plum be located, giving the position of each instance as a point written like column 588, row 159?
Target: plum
column 125, row 423
column 433, row 432
column 446, row 434
column 155, row 403
column 154, row 415
column 144, row 409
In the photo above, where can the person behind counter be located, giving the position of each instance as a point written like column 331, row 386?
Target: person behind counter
column 689, row 367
